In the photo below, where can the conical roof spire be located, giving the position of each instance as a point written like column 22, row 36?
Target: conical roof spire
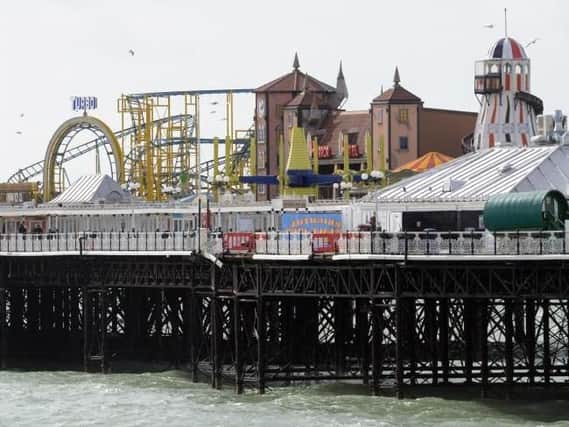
column 340, row 72
column 341, row 88
column 396, row 78
column 296, row 62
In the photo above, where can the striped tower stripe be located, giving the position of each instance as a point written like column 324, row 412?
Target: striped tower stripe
column 515, row 48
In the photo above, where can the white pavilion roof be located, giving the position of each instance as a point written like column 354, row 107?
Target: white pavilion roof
column 92, row 189
column 479, row 175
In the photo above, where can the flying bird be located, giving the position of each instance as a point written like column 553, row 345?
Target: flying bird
column 212, row 112
column 19, row 132
column 131, row 52
column 488, row 25
column 214, row 103
column 21, row 114
column 532, row 42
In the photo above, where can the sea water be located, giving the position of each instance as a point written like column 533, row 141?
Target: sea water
column 46, row 398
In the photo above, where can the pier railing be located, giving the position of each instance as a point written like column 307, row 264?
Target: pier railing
column 289, row 243
column 402, row 243
column 99, row 242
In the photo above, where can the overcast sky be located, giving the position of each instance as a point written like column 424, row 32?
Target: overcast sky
column 51, row 50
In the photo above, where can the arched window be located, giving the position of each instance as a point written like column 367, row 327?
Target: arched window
column 519, row 72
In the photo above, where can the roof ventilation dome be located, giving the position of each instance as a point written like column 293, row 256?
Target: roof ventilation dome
column 505, row 168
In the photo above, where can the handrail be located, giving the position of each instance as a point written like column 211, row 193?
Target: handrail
column 292, row 243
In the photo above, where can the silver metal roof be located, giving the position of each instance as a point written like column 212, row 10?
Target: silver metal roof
column 92, row 189
column 479, row 175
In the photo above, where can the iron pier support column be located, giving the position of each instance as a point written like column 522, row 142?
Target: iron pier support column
column 261, row 326
column 530, row 339
column 102, row 300
column 376, row 334
column 443, row 322
column 237, row 333
column 469, row 329
column 509, row 345
column 193, row 328
column 94, row 328
column 215, row 313
column 546, row 342
column 340, row 314
column 86, row 321
column 3, row 316
column 431, row 336
column 362, row 310
column 410, row 327
column 399, row 338
column 484, row 347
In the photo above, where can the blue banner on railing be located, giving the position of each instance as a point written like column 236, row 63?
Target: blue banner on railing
column 312, row 222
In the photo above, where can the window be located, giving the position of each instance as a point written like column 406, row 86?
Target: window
column 290, row 119
column 261, row 159
column 380, row 116
column 403, row 143
column 261, row 133
column 353, row 138
column 404, row 115
column 261, row 188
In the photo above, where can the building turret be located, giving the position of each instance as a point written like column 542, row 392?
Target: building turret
column 341, row 94
column 507, row 108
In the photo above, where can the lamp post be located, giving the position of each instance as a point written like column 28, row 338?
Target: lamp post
column 345, row 188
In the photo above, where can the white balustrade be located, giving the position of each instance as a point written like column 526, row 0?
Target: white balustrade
column 294, row 243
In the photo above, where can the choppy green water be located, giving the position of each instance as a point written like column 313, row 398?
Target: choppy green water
column 169, row 399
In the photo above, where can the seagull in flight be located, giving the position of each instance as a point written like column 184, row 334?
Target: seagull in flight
column 21, row 114
column 488, row 25
column 212, row 112
column 532, row 42
column 131, row 52
column 19, row 132
column 214, row 102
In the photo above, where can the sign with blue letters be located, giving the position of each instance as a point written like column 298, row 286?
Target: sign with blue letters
column 312, row 222
column 84, row 103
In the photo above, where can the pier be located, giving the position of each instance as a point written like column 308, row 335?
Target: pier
column 394, row 311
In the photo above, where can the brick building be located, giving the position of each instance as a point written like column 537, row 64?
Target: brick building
column 400, row 128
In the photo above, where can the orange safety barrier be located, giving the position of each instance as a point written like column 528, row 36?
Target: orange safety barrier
column 238, row 242
column 325, row 242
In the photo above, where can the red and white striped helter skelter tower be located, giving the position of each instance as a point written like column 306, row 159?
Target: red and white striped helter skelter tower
column 507, row 108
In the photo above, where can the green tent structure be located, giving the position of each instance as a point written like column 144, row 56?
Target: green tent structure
column 534, row 210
